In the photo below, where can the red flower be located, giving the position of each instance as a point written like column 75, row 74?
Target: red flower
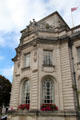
column 24, row 106
column 49, row 107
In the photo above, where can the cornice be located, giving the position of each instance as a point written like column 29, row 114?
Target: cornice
column 47, row 40
column 41, row 113
column 41, row 40
column 34, row 31
column 38, row 41
column 75, row 35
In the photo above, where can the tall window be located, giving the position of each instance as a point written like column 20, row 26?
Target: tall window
column 79, row 83
column 27, row 60
column 47, row 57
column 47, row 91
column 26, row 92
column 79, row 89
column 78, row 53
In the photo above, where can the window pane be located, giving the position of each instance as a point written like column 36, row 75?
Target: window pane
column 47, row 57
column 27, row 60
column 48, row 91
column 26, row 93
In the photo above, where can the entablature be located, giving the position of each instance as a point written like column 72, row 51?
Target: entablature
column 47, row 38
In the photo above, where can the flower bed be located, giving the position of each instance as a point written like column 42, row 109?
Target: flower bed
column 49, row 107
column 24, row 106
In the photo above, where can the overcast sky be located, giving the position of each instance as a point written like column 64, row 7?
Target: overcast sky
column 15, row 16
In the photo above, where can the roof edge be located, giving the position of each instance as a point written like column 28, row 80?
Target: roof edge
column 76, row 27
column 56, row 12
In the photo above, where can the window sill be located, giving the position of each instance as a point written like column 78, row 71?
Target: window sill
column 48, row 65
column 50, row 68
column 25, row 68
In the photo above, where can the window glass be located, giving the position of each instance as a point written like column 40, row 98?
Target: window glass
column 27, row 60
column 79, row 89
column 79, row 83
column 47, row 57
column 26, row 92
column 48, row 91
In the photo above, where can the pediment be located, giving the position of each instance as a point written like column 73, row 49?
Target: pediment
column 54, row 21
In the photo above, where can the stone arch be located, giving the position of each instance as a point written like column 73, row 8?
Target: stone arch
column 50, row 76
column 23, row 79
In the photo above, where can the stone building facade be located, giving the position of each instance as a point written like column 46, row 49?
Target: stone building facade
column 47, row 70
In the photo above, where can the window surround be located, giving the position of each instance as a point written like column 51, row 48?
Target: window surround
column 78, row 54
column 48, row 63
column 25, row 97
column 26, row 65
column 51, row 99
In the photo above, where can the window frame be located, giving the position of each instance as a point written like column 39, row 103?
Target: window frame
column 78, row 56
column 47, row 59
column 25, row 65
column 25, row 98
column 78, row 87
column 52, row 93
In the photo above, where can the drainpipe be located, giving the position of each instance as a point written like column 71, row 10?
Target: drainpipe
column 76, row 97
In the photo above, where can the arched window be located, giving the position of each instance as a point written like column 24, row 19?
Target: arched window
column 47, row 90
column 26, row 92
